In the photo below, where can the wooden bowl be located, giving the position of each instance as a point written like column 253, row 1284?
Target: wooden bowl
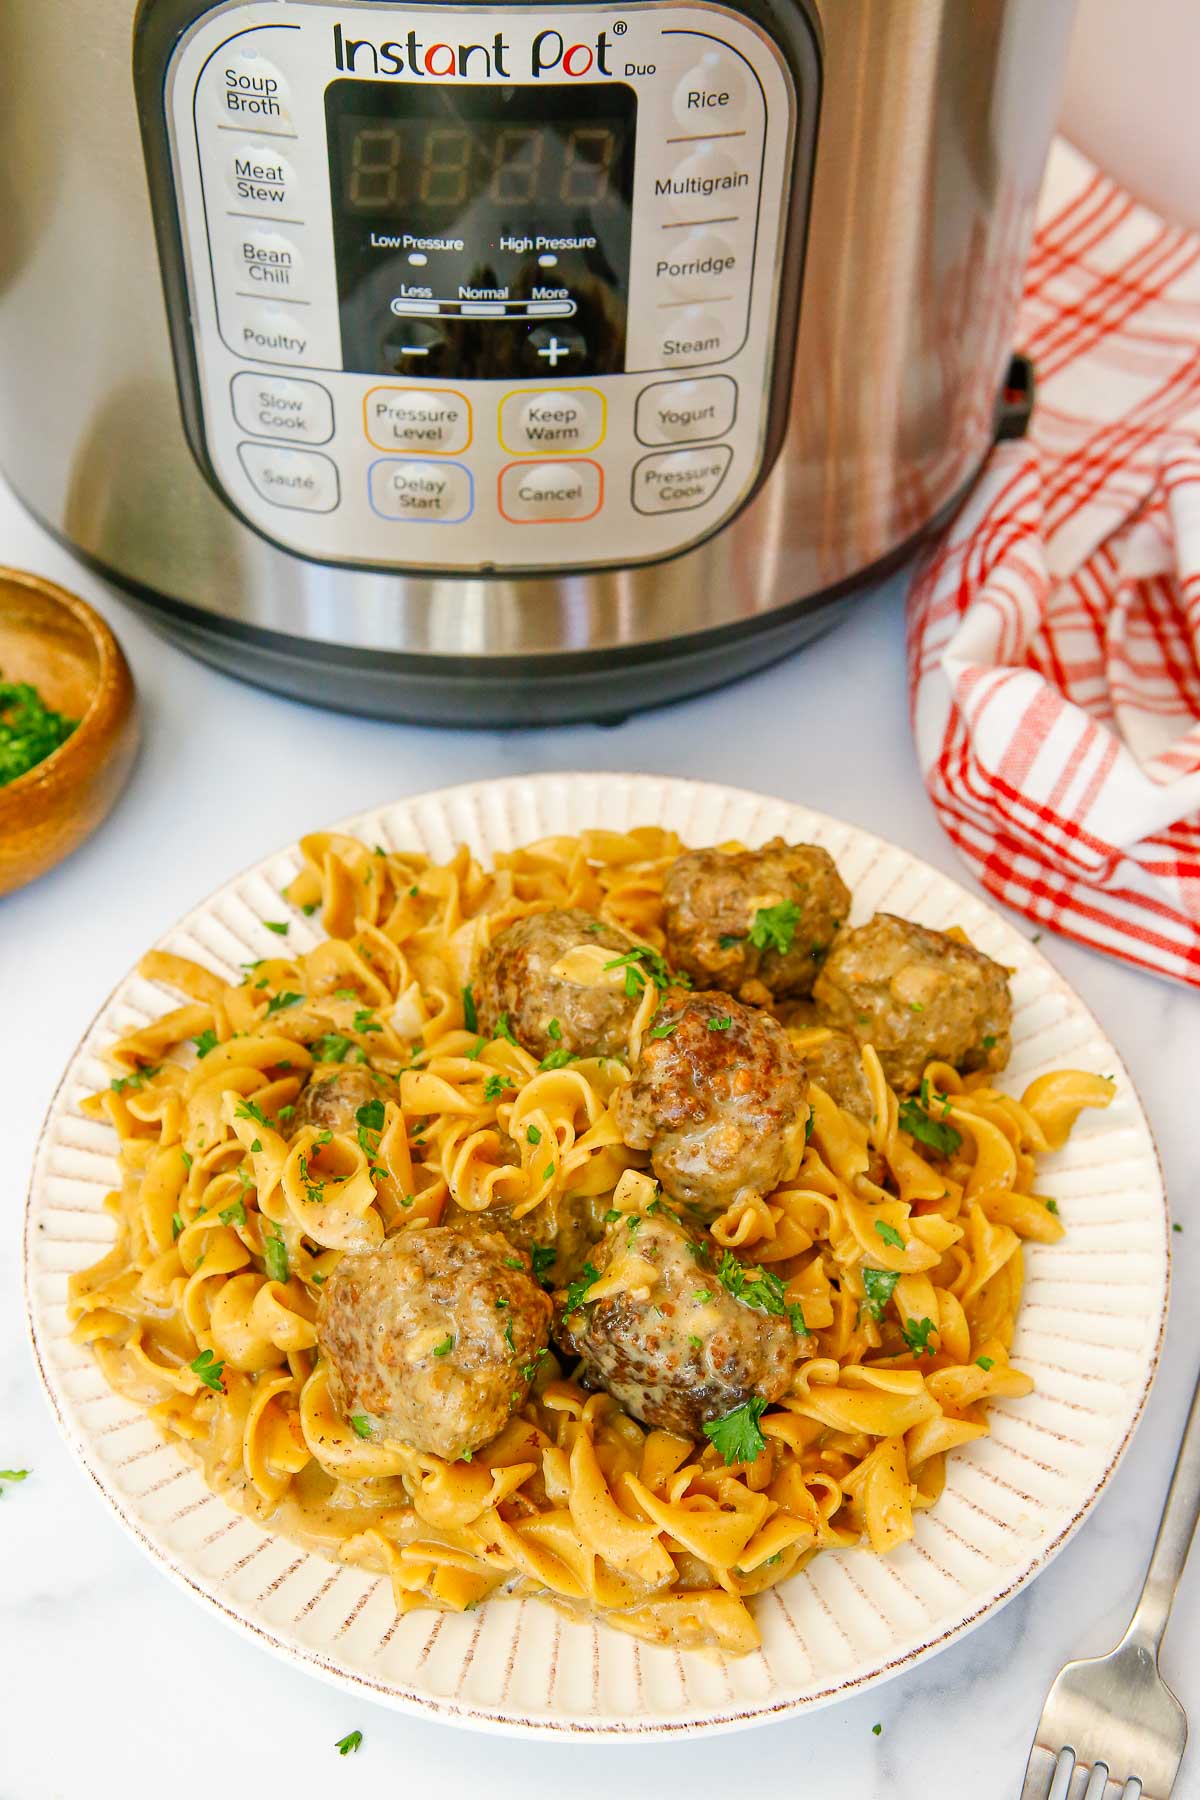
column 54, row 640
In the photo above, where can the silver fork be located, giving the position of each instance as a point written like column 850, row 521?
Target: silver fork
column 1112, row 1722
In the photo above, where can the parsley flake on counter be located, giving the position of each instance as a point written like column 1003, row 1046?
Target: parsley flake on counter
column 721, row 1024
column 986, row 1363
column 280, row 1002
column 879, row 1285
column 350, row 1742
column 774, row 927
column 233, row 1215
column 361, row 1424
column 915, row 1119
column 577, row 1290
column 533, row 1136
column 876, row 1730
column 206, row 1041
column 14, row 1474
column 276, row 1257
column 544, row 1256
column 209, row 1370
column 445, row 1347
column 737, row 1436
column 889, row 1234
column 470, row 1011
column 278, row 926
column 916, row 1335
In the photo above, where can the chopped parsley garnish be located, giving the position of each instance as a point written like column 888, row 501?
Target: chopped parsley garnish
column 875, row 1730
column 280, row 1002
column 544, row 1256
column 286, row 1112
column 335, row 1046
column 986, row 1363
column 774, row 927
column 1052, row 1207
column 470, row 1011
column 702, row 1296
column 309, row 908
column 557, row 1059
column 533, row 1136
column 554, row 1030
column 916, row 1336
column 176, row 1224
column 278, row 926
column 879, row 1285
column 934, row 1132
column 206, row 1041
column 508, row 1337
column 721, row 1024
column 737, row 1436
column 350, row 1742
column 445, row 1347
column 246, row 1109
column 577, row 1291
column 696, row 1343
column 255, row 1147
column 235, row 1214
column 14, row 1474
column 664, row 1031
column 494, row 1086
column 753, row 1287
column 795, row 1314
column 365, row 1020
column 548, row 1172
column 641, row 964
column 612, row 1215
column 889, row 1234
column 729, row 940
column 134, row 1082
column 209, row 1370
column 504, row 1030
column 185, row 1159
column 989, row 1042
column 361, row 1424
column 30, row 731
column 513, row 1262
column 276, row 1257
column 476, row 1050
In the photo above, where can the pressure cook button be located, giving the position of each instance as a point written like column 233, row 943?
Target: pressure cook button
column 693, row 335
column 427, row 493
column 562, row 419
column 267, row 262
column 551, row 492
column 257, row 176
column 712, row 95
column 437, row 420
column 680, row 412
column 249, row 90
column 679, row 480
column 304, row 480
column 704, row 264
column 276, row 407
column 268, row 334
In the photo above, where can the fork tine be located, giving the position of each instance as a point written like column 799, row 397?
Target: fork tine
column 1039, row 1774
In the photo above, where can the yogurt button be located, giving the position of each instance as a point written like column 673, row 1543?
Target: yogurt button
column 303, row 480
column 542, row 493
column 276, row 407
column 677, row 412
column 248, row 90
column 712, row 95
column 416, row 492
column 679, row 480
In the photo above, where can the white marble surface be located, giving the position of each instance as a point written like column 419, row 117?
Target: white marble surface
column 115, row 1683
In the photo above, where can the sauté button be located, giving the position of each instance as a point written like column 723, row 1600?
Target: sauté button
column 712, row 95
column 415, row 492
column 249, row 90
column 703, row 264
column 436, row 420
column 257, row 176
column 304, row 480
column 267, row 333
column 680, row 412
column 678, row 480
column 274, row 406
column 692, row 334
column 267, row 262
column 552, row 419
column 550, row 492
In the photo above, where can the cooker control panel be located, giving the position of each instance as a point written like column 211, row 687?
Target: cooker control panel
column 481, row 289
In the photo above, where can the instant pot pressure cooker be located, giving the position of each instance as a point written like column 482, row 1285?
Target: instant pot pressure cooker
column 509, row 363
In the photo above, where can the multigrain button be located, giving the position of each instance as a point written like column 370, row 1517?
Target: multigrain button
column 266, row 333
column 703, row 265
column 678, row 480
column 415, row 492
column 267, row 262
column 257, row 176
column 552, row 419
column 249, row 90
column 708, row 174
column 304, row 480
column 546, row 493
column 712, row 95
column 682, row 412
column 276, row 407
column 693, row 334
column 435, row 420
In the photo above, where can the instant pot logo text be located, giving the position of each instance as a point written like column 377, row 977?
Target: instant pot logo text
column 549, row 53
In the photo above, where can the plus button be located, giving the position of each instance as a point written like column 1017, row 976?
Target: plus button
column 553, row 350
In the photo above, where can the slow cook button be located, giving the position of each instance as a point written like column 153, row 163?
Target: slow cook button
column 431, row 419
column 550, row 493
column 249, row 90
column 267, row 262
column 256, row 176
column 712, row 95
column 679, row 412
column 703, row 265
column 304, row 480
column 423, row 493
column 552, row 419
column 678, row 480
column 275, row 406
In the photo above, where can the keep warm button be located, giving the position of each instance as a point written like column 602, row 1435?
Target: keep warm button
column 678, row 480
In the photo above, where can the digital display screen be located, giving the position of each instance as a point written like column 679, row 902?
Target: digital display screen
column 482, row 232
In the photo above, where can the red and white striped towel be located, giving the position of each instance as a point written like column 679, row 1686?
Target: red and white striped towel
column 1054, row 633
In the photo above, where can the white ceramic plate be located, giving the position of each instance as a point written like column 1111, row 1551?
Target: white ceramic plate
column 1089, row 1334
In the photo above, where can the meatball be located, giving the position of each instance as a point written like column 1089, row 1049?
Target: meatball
column 435, row 1337
column 333, row 1097
column 718, row 1098
column 713, row 899
column 685, row 1351
column 834, row 1062
column 548, row 969
column 916, row 995
column 569, row 1225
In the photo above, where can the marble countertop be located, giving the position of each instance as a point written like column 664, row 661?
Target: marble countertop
column 114, row 1682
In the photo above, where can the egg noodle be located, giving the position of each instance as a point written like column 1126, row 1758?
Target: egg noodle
column 904, row 1256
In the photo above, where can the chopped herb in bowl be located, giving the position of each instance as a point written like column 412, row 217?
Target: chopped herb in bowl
column 30, row 731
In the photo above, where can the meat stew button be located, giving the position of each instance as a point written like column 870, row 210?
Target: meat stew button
column 678, row 480
column 429, row 493
column 544, row 493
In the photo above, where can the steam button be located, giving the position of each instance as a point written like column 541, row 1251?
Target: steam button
column 302, row 480
column 692, row 334
column 712, row 95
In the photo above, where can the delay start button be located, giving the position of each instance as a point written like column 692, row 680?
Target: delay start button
column 679, row 480
column 425, row 493
column 434, row 420
column 547, row 493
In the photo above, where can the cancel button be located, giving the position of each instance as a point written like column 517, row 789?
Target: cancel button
column 677, row 480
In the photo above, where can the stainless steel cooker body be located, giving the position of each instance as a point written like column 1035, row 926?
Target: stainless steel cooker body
column 898, row 154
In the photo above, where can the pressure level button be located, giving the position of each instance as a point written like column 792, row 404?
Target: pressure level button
column 712, row 95
column 434, row 420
